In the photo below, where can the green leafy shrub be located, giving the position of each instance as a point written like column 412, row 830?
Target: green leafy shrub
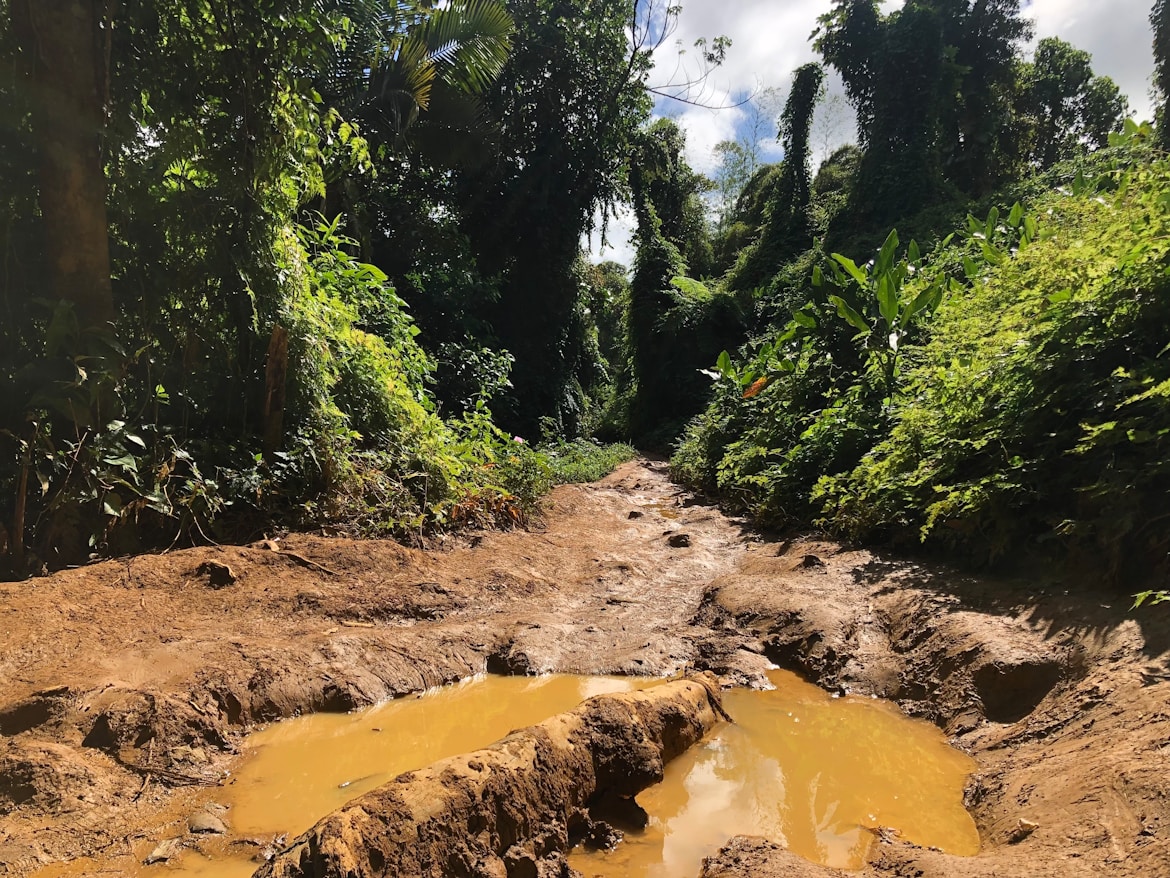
column 1038, row 411
column 811, row 399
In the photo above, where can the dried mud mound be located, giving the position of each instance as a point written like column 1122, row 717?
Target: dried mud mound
column 515, row 808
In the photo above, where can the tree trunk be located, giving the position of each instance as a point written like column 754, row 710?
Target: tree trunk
column 63, row 67
column 275, row 383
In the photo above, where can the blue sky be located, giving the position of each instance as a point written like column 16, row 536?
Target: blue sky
column 770, row 40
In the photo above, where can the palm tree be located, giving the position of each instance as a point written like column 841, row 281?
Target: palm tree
column 400, row 60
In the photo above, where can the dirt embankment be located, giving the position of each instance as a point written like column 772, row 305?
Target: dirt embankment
column 129, row 683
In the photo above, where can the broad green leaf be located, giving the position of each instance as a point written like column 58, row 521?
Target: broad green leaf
column 924, row 300
column 112, row 504
column 845, row 311
column 126, row 461
column 887, row 296
column 374, row 272
column 850, row 266
column 885, row 257
column 992, row 222
column 723, row 364
column 992, row 254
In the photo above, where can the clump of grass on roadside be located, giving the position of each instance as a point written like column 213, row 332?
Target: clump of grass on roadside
column 585, row 461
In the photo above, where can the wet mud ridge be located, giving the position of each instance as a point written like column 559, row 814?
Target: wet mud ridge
column 130, row 683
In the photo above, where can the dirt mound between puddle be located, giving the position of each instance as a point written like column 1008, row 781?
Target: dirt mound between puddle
column 515, row 808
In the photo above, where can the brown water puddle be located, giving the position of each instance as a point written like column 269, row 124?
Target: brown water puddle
column 799, row 767
column 666, row 510
column 295, row 772
column 804, row 769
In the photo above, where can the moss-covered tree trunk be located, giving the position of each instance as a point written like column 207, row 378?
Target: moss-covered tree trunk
column 62, row 64
column 1160, row 23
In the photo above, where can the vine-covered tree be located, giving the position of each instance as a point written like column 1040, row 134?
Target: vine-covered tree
column 676, row 326
column 984, row 40
column 786, row 224
column 1160, row 22
column 659, row 173
column 894, row 69
column 1065, row 106
column 946, row 106
column 568, row 105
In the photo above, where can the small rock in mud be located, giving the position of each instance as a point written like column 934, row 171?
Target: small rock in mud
column 165, row 851
column 602, row 837
column 196, row 755
column 203, row 822
column 634, row 513
column 679, row 541
column 218, row 575
column 1024, row 828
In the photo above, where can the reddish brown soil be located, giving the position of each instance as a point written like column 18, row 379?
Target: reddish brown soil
column 128, row 683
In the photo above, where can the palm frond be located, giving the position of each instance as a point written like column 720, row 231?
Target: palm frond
column 469, row 41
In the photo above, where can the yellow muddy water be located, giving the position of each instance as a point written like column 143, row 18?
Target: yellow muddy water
column 799, row 766
column 810, row 771
column 295, row 772
column 301, row 770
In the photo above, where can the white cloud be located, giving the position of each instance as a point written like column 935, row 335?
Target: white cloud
column 770, row 40
column 618, row 245
column 705, row 128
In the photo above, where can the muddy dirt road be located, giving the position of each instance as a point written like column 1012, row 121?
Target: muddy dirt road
column 129, row 683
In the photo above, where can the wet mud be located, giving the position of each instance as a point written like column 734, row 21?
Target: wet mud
column 131, row 683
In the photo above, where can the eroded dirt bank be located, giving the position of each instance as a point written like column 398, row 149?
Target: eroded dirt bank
column 129, row 683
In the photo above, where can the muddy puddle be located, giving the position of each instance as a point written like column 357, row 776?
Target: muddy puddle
column 801, row 767
column 295, row 772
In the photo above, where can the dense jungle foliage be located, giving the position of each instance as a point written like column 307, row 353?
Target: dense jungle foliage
column 318, row 263
column 990, row 379
column 267, row 265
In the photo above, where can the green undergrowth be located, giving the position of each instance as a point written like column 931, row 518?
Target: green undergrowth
column 585, row 461
column 126, row 450
column 1007, row 395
